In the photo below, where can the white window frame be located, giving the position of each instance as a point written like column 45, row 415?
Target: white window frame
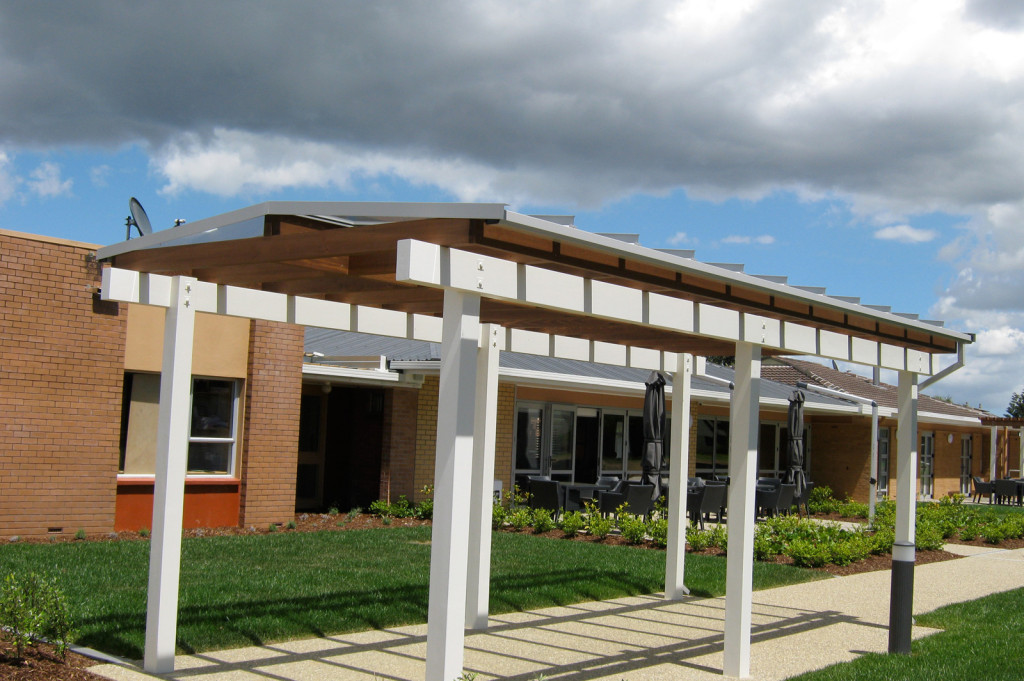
column 232, row 440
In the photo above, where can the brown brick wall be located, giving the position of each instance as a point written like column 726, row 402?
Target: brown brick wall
column 398, row 456
column 270, row 445
column 840, row 455
column 426, row 434
column 60, row 389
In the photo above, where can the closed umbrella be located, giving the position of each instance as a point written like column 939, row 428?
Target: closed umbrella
column 654, row 431
column 795, row 446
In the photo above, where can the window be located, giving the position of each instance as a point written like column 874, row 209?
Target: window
column 213, row 431
column 211, row 444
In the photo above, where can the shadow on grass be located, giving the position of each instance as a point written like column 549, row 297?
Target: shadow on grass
column 258, row 620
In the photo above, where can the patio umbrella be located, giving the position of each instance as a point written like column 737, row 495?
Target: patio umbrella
column 654, row 431
column 795, row 446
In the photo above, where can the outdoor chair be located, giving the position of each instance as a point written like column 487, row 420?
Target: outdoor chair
column 607, row 482
column 695, row 482
column 766, row 501
column 982, row 488
column 785, row 503
column 768, row 482
column 1005, row 491
column 694, row 501
column 638, row 499
column 546, row 494
column 609, row 500
column 714, row 501
column 803, row 498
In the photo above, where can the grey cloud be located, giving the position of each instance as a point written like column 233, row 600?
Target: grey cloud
column 1003, row 14
column 569, row 102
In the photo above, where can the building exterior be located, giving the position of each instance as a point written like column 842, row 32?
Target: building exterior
column 285, row 420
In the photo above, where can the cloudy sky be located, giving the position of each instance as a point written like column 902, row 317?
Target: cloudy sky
column 875, row 148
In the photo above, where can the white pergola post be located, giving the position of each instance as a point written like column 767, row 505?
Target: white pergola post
column 743, row 431
column 992, row 452
column 169, row 483
column 449, row 546
column 482, row 489
column 679, row 465
column 901, row 597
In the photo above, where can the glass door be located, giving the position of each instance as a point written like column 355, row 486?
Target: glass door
column 559, row 459
column 882, row 491
column 635, row 446
column 965, row 464
column 927, row 459
column 529, row 441
column 613, row 443
column 770, row 450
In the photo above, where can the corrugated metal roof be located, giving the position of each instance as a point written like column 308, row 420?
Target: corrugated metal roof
column 351, row 344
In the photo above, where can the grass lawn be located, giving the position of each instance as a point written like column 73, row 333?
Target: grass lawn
column 246, row 590
column 983, row 639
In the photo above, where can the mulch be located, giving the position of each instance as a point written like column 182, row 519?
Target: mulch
column 42, row 664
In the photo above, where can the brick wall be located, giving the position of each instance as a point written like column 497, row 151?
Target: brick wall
column 426, row 435
column 60, row 389
column 398, row 456
column 270, row 446
column 840, row 455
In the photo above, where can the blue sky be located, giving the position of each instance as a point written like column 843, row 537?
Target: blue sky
column 872, row 148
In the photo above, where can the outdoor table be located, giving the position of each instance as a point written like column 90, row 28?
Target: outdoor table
column 576, row 492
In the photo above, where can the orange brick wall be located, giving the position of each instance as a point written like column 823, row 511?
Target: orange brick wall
column 426, row 434
column 841, row 456
column 60, row 389
column 271, row 440
column 398, row 456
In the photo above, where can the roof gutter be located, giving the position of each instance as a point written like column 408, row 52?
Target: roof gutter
column 948, row 370
column 702, row 372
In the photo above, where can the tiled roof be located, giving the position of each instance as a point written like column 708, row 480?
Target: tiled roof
column 788, row 370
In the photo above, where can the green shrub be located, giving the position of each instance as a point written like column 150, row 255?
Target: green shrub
column 272, row 527
column 633, row 528
column 380, row 508
column 424, row 510
column 1014, row 526
column 571, row 523
column 498, row 516
column 658, row 529
column 291, row 525
column 33, row 608
column 856, row 546
column 401, row 508
column 882, row 540
column 517, row 497
column 806, row 553
column 970, row 529
column 353, row 513
column 719, row 537
column 599, row 526
column 80, row 534
column 520, row 518
column 698, row 539
column 542, row 521
column 822, row 501
column 993, row 533
column 333, row 510
column 764, row 547
column 144, row 532
column 928, row 536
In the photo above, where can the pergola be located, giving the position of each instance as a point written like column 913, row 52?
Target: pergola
column 479, row 278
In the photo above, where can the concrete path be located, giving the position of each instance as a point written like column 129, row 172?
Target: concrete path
column 795, row 629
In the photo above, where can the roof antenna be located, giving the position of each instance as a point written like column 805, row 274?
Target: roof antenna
column 137, row 219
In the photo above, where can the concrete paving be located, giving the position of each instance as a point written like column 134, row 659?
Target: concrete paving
column 795, row 629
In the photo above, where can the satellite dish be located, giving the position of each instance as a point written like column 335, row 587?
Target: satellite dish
column 139, row 218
